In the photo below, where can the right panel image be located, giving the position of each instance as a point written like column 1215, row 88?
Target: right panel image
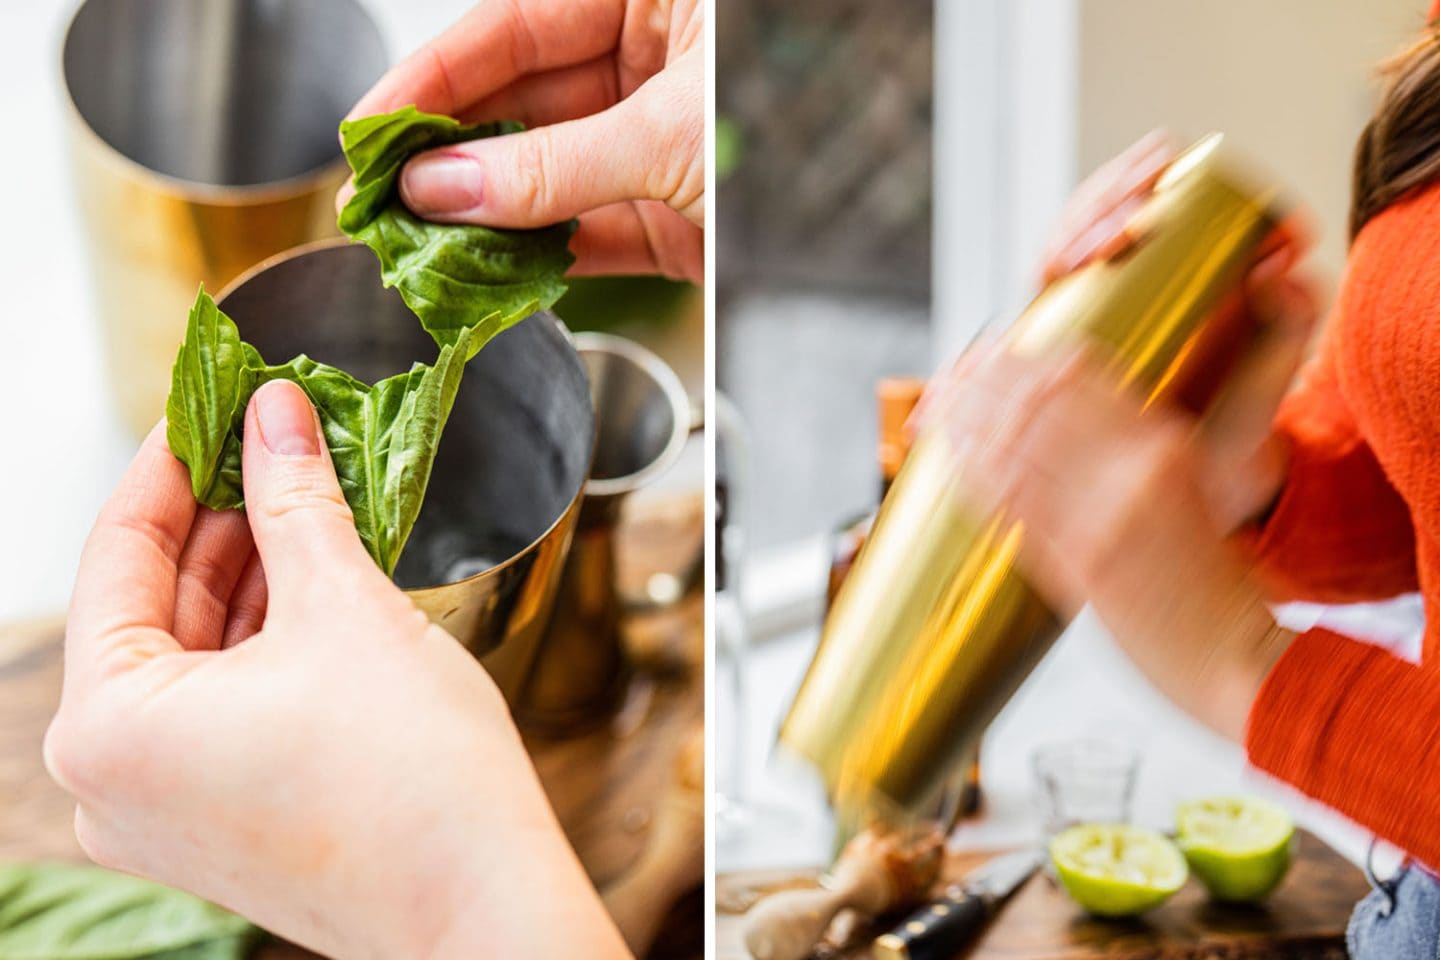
column 1076, row 479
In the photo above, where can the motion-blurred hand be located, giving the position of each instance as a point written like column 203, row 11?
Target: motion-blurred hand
column 1249, row 462
column 1111, row 495
column 615, row 93
column 253, row 712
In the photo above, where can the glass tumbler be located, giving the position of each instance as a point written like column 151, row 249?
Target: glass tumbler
column 1084, row 781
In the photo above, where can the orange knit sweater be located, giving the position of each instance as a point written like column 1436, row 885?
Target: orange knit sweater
column 1349, row 723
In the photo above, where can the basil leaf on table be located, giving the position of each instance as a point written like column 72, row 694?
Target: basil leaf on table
column 55, row 911
column 382, row 438
column 453, row 276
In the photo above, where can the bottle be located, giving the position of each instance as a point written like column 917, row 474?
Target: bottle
column 896, row 399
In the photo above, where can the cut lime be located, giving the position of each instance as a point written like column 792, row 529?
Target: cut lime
column 1116, row 871
column 1239, row 847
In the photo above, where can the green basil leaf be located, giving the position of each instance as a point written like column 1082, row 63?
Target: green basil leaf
column 454, row 277
column 382, row 438
column 54, row 911
column 211, row 383
column 465, row 283
column 378, row 146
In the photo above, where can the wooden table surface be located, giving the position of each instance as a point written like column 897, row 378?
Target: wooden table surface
column 1303, row 920
column 604, row 784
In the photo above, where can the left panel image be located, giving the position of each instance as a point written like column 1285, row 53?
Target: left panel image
column 354, row 484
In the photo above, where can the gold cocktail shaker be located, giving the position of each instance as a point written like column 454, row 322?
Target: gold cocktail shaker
column 935, row 628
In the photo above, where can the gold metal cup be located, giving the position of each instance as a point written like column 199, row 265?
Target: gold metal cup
column 485, row 557
column 203, row 140
column 935, row 628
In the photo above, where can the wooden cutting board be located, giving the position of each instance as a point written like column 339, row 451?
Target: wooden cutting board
column 604, row 785
column 1303, row 920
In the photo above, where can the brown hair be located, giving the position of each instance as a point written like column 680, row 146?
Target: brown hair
column 1400, row 148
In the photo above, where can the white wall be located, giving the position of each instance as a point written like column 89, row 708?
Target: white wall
column 1291, row 81
column 1032, row 94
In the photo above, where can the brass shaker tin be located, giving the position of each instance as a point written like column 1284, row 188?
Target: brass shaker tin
column 935, row 627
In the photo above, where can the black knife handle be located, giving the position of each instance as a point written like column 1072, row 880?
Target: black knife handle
column 937, row 931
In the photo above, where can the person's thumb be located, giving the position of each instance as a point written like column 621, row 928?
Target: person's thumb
column 649, row 146
column 302, row 526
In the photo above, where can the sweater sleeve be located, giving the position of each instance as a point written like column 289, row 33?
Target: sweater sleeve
column 1339, row 532
column 1315, row 726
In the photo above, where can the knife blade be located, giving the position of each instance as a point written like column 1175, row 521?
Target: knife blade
column 941, row 928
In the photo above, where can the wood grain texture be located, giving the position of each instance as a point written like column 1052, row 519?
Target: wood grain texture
column 1304, row 920
column 604, row 785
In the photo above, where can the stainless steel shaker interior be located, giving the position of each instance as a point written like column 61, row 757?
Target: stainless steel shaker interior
column 516, row 450
column 644, row 414
column 221, row 92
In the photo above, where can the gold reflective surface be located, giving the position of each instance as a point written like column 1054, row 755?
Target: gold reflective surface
column 500, row 614
column 153, row 240
column 935, row 628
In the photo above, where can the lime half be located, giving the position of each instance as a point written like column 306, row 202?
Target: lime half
column 1116, row 871
column 1239, row 847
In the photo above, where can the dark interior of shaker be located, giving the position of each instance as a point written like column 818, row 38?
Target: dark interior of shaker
column 221, row 92
column 517, row 446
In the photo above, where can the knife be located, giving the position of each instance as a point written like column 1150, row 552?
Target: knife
column 940, row 929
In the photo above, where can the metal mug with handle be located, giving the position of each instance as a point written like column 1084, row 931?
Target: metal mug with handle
column 203, row 140
column 643, row 421
column 485, row 556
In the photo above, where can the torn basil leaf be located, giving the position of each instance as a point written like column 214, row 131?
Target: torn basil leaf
column 56, row 911
column 382, row 438
column 453, row 276
column 204, row 418
column 465, row 283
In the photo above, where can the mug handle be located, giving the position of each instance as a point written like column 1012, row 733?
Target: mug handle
column 664, row 589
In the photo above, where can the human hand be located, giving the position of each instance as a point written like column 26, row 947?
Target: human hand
column 614, row 92
column 1094, row 222
column 1111, row 496
column 1276, row 305
column 253, row 712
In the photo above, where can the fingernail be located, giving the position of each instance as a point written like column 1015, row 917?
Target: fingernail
column 287, row 423
column 441, row 183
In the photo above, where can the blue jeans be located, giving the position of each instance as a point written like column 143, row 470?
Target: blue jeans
column 1399, row 920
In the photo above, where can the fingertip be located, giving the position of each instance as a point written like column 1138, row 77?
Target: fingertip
column 284, row 420
column 987, row 344
column 343, row 195
column 159, row 436
column 1298, row 230
column 1105, row 239
column 1158, row 138
column 445, row 184
column 374, row 100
